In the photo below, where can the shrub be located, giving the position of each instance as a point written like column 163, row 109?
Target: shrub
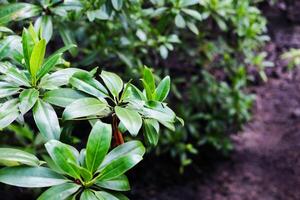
column 186, row 38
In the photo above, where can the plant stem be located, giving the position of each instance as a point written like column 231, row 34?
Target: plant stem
column 116, row 132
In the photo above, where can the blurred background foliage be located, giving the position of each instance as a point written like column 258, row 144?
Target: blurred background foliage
column 208, row 47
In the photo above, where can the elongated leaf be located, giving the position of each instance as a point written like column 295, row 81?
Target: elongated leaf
column 61, row 192
column 163, row 89
column 61, row 154
column 68, row 39
column 113, row 82
column 179, row 21
column 17, row 11
column 105, row 196
column 148, row 78
column 27, row 44
column 158, row 111
column 98, row 145
column 48, row 65
column 88, row 195
column 9, row 112
column 129, row 148
column 130, row 118
column 44, row 25
column 28, row 98
column 30, row 177
column 151, row 131
column 15, row 157
column 84, row 107
column 46, row 120
column 84, row 173
column 63, row 96
column 17, row 77
column 117, row 4
column 119, row 166
column 7, row 89
column 37, row 57
column 58, row 78
column 120, row 183
column 193, row 13
column 84, row 82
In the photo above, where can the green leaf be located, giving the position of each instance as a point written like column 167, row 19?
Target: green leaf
column 14, row 157
column 27, row 44
column 163, row 89
column 84, row 82
column 134, row 147
column 105, row 196
column 62, row 97
column 119, row 166
column 119, row 183
column 17, row 77
column 186, row 3
column 149, row 79
column 193, row 27
column 8, row 112
column 179, row 21
column 28, row 98
column 44, row 26
column 7, row 89
column 68, row 38
column 83, row 108
column 62, row 154
column 151, row 131
column 61, row 192
column 17, row 11
column 117, row 4
column 193, row 13
column 88, row 195
column 58, row 78
column 46, row 120
column 130, row 118
column 159, row 111
column 30, row 177
column 85, row 174
column 113, row 82
column 37, row 58
column 98, row 145
column 48, row 65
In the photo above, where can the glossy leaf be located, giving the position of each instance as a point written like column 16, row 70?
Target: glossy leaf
column 98, row 145
column 129, row 148
column 37, row 58
column 62, row 154
column 163, row 89
column 15, row 157
column 130, row 118
column 48, row 65
column 28, row 98
column 119, row 183
column 84, row 107
column 119, row 166
column 105, row 196
column 46, row 120
column 62, row 97
column 84, row 82
column 117, row 4
column 17, row 11
column 61, row 192
column 9, row 112
column 58, row 78
column 30, row 177
column 88, row 195
column 113, row 82
column 151, row 129
column 44, row 25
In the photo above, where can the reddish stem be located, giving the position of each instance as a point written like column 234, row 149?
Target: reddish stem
column 118, row 137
